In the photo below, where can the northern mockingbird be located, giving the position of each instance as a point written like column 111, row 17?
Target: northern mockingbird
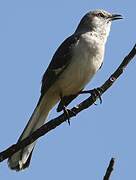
column 73, row 65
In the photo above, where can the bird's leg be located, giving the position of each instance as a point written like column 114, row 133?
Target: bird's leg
column 67, row 111
column 94, row 93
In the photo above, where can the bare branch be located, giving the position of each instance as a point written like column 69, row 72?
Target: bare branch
column 60, row 119
column 109, row 169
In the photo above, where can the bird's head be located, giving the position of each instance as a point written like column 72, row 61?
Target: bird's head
column 98, row 21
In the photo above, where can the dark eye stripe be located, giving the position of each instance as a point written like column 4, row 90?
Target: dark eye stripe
column 101, row 15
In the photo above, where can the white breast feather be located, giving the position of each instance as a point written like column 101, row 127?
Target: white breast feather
column 86, row 61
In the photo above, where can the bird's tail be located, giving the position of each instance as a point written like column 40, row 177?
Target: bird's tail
column 21, row 159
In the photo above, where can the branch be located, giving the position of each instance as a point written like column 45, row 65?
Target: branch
column 60, row 119
column 109, row 169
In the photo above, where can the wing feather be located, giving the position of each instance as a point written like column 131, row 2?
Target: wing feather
column 60, row 61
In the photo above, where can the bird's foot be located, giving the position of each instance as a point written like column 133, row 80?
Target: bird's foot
column 68, row 113
column 95, row 93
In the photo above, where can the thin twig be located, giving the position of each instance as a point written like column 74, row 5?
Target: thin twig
column 62, row 118
column 109, row 169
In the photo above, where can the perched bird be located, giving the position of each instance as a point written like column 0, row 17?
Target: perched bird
column 73, row 65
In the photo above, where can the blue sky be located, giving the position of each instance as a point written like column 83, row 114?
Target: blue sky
column 30, row 32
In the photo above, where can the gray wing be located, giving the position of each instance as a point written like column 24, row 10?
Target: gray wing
column 59, row 62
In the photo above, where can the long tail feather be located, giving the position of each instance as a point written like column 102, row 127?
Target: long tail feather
column 21, row 159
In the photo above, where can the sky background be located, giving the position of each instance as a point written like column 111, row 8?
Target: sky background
column 30, row 32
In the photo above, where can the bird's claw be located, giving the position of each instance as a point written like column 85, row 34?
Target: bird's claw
column 68, row 113
column 94, row 93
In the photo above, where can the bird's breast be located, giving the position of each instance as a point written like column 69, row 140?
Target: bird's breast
column 84, row 64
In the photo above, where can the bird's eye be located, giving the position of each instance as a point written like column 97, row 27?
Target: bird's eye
column 100, row 15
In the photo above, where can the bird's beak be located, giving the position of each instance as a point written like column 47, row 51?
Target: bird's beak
column 116, row 17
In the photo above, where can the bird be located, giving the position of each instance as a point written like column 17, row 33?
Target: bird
column 72, row 67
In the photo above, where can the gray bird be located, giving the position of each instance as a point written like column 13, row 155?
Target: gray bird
column 73, row 65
